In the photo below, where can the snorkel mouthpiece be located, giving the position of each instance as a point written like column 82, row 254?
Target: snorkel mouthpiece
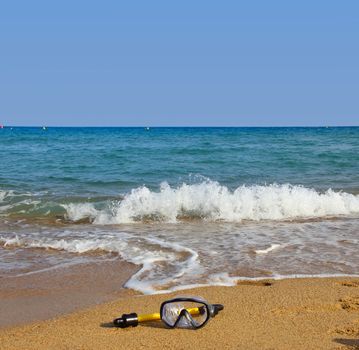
column 127, row 320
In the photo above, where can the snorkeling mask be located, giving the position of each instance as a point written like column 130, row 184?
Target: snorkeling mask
column 181, row 312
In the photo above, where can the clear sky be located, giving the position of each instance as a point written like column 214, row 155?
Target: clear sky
column 179, row 62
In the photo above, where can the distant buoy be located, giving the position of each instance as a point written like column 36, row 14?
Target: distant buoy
column 148, row 129
column 44, row 128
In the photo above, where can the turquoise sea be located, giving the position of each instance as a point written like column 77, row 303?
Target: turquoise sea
column 191, row 206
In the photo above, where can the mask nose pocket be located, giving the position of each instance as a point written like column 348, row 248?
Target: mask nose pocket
column 185, row 320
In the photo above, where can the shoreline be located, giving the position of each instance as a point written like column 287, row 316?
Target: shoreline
column 306, row 313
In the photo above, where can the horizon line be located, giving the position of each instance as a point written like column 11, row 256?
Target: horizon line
column 177, row 126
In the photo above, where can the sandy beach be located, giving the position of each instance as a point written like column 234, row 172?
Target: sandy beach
column 285, row 314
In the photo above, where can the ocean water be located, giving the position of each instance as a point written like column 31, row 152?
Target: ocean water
column 190, row 206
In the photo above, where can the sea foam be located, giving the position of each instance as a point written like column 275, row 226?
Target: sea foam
column 154, row 257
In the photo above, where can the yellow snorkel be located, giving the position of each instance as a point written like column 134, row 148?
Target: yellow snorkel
column 132, row 320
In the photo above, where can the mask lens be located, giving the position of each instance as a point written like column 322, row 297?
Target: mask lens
column 171, row 312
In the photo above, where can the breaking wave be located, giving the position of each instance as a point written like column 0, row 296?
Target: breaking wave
column 207, row 201
column 213, row 202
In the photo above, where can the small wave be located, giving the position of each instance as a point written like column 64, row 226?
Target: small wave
column 6, row 195
column 15, row 202
column 3, row 194
column 212, row 202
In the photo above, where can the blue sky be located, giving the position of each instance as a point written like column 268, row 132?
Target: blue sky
column 179, row 63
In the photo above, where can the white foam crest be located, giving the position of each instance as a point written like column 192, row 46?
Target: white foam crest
column 11, row 200
column 79, row 211
column 8, row 242
column 213, row 202
column 5, row 194
column 70, row 245
column 266, row 251
column 2, row 195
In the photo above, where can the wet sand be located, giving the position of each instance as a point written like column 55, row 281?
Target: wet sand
column 287, row 314
column 57, row 291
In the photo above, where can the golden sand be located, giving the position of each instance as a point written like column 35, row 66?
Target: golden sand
column 287, row 314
